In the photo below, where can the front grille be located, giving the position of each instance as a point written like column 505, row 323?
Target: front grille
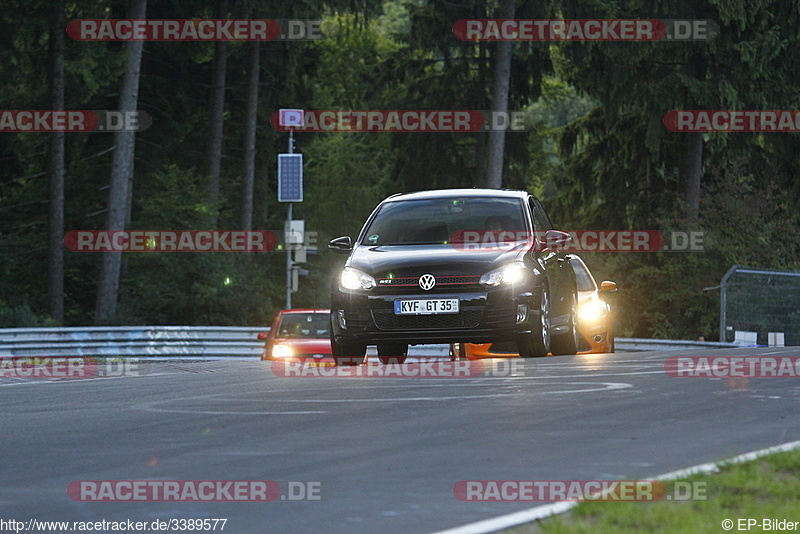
column 406, row 283
column 467, row 318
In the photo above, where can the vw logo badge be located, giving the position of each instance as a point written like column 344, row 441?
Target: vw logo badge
column 427, row 281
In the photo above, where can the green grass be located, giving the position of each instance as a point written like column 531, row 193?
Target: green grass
column 765, row 488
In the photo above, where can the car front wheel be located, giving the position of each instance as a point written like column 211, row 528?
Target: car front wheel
column 348, row 353
column 392, row 353
column 458, row 352
column 568, row 342
column 537, row 343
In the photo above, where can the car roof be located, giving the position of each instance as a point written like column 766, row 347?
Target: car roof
column 464, row 192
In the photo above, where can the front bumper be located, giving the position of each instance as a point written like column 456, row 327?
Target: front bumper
column 484, row 316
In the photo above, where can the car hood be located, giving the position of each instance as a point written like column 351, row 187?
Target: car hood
column 413, row 260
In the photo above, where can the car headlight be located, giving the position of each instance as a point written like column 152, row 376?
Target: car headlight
column 282, row 351
column 512, row 273
column 592, row 310
column 353, row 279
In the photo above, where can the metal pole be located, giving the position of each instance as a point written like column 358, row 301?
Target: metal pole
column 723, row 303
column 286, row 236
column 288, row 261
column 723, row 297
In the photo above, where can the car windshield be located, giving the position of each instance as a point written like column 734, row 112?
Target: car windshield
column 304, row 325
column 583, row 279
column 436, row 221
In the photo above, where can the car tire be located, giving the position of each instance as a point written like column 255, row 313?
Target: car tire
column 389, row 353
column 460, row 354
column 537, row 344
column 347, row 353
column 568, row 342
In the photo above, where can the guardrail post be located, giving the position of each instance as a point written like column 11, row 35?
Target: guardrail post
column 723, row 303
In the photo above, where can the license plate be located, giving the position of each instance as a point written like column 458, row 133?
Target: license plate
column 425, row 307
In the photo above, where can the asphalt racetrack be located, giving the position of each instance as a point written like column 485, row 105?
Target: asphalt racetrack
column 376, row 454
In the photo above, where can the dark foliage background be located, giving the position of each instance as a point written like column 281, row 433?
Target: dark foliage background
column 599, row 156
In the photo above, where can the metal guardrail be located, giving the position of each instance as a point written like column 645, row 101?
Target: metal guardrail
column 639, row 344
column 138, row 341
column 206, row 341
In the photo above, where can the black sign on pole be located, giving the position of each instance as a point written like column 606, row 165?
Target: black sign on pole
column 290, row 177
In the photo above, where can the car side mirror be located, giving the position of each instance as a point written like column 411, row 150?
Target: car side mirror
column 263, row 336
column 341, row 245
column 607, row 286
column 553, row 239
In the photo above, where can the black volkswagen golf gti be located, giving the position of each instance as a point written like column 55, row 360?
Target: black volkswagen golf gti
column 454, row 265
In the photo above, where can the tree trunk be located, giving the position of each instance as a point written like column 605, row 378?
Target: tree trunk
column 691, row 177
column 248, row 175
column 261, row 206
column 121, row 176
column 502, row 77
column 213, row 164
column 481, row 138
column 55, row 255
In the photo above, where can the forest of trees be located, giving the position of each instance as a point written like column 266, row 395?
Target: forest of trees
column 599, row 155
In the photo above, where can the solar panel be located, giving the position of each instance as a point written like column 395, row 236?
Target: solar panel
column 290, row 177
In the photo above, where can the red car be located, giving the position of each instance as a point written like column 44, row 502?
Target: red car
column 299, row 335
